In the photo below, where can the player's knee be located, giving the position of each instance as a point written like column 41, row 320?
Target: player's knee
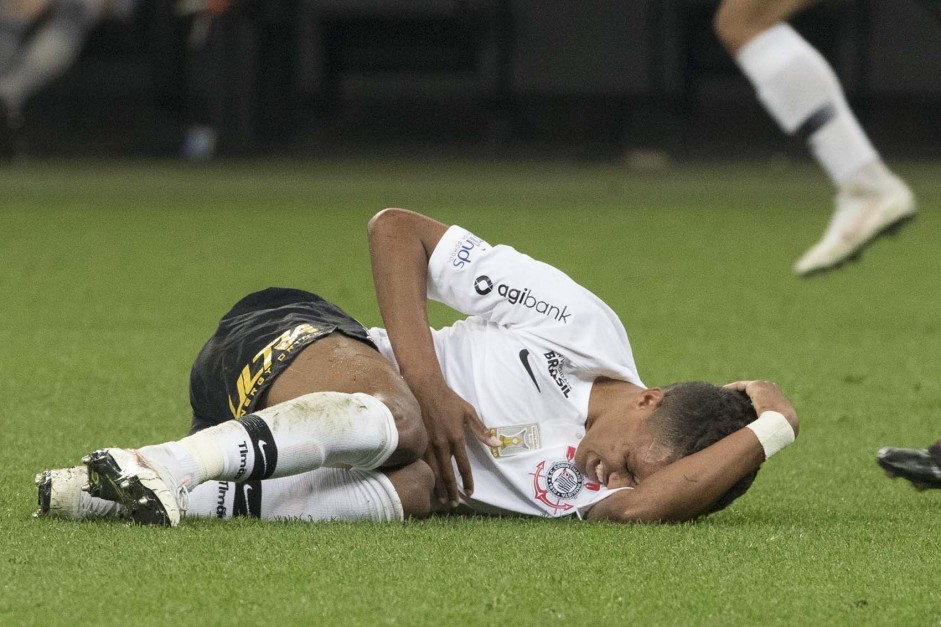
column 413, row 439
column 414, row 484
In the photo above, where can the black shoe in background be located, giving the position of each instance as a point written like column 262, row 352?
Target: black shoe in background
column 921, row 466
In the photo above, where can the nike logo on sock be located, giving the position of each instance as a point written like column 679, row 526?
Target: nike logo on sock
column 247, row 500
column 264, row 459
column 524, row 357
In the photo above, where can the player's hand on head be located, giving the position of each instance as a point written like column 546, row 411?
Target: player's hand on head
column 767, row 396
column 445, row 415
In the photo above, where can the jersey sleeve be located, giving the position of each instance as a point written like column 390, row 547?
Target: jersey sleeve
column 509, row 288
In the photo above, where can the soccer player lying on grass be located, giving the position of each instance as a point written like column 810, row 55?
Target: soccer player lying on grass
column 301, row 413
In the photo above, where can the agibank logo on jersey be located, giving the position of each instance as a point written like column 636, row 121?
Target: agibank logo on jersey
column 523, row 297
column 555, row 482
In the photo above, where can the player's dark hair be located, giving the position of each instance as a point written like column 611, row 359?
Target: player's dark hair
column 694, row 415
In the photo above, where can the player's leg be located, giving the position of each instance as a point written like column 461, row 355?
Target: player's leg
column 802, row 93
column 322, row 494
column 343, row 365
column 414, row 484
column 739, row 21
column 341, row 403
column 921, row 466
column 404, row 486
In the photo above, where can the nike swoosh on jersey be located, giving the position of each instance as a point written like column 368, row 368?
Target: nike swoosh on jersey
column 524, row 357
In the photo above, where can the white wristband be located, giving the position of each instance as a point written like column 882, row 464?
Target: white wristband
column 773, row 430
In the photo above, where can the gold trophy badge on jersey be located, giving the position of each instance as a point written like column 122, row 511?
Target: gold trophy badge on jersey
column 515, row 439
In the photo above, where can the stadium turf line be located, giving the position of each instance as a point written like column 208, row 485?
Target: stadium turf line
column 112, row 275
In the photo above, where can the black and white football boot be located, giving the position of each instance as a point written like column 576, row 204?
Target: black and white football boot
column 143, row 487
column 921, row 466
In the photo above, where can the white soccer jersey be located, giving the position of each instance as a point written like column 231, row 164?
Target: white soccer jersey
column 525, row 358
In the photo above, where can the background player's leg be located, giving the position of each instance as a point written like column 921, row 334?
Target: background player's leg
column 800, row 90
column 12, row 32
column 14, row 26
column 48, row 52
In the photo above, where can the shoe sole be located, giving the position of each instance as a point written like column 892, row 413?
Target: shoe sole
column 44, row 496
column 890, row 230
column 107, row 480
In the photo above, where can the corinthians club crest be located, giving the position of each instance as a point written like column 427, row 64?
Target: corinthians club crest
column 559, row 481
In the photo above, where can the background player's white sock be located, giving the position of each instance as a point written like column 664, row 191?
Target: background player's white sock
column 314, row 430
column 800, row 90
column 322, row 494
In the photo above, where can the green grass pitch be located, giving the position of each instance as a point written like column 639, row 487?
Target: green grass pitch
column 112, row 275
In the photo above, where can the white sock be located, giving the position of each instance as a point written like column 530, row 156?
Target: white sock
column 801, row 92
column 305, row 433
column 322, row 494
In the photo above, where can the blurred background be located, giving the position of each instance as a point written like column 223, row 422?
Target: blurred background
column 644, row 80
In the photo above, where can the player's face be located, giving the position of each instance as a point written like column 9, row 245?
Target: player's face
column 622, row 450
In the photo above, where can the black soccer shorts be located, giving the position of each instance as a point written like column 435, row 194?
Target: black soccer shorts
column 255, row 342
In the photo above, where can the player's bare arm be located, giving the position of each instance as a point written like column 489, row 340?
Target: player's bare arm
column 688, row 487
column 400, row 244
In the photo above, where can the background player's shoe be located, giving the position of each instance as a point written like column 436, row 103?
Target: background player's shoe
column 921, row 466
column 61, row 496
column 860, row 217
column 143, row 487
